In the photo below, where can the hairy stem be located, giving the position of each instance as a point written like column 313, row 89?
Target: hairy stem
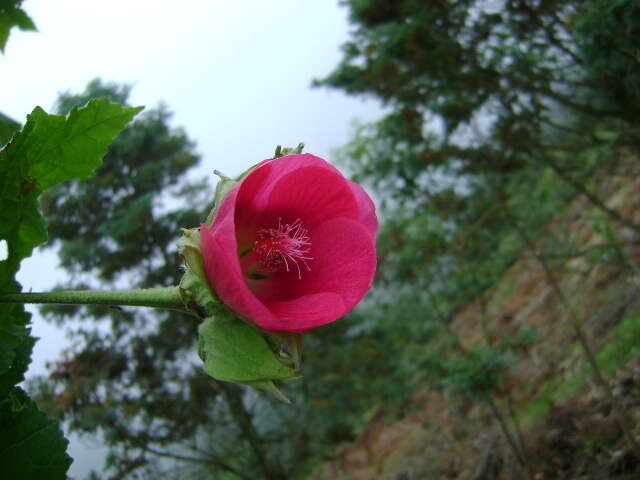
column 168, row 297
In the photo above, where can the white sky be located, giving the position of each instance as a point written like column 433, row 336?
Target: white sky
column 236, row 74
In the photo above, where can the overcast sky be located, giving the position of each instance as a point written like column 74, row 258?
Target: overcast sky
column 236, row 75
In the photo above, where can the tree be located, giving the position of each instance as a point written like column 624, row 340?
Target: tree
column 474, row 88
column 606, row 35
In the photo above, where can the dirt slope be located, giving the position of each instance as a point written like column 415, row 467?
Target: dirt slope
column 568, row 429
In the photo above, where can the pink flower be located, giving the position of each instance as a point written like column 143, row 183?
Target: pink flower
column 293, row 245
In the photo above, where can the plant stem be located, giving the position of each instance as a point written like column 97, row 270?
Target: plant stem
column 167, row 297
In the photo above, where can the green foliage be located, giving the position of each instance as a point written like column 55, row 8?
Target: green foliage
column 48, row 150
column 526, row 337
column 624, row 345
column 467, row 85
column 615, row 354
column 607, row 32
column 8, row 127
column 11, row 15
column 476, row 373
column 31, row 443
column 475, row 93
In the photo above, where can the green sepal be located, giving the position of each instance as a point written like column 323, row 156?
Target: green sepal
column 222, row 188
column 283, row 151
column 197, row 295
column 194, row 286
column 234, row 351
column 291, row 342
column 270, row 387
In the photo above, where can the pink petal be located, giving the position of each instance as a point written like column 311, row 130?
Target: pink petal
column 312, row 194
column 308, row 311
column 366, row 208
column 223, row 271
column 256, row 190
column 253, row 202
column 344, row 263
column 247, row 205
column 342, row 224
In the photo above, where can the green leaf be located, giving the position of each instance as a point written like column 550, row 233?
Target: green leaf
column 234, row 351
column 8, row 127
column 15, row 355
column 48, row 150
column 12, row 16
column 57, row 148
column 32, row 447
column 222, row 188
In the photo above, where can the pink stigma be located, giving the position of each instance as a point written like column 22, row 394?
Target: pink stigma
column 276, row 247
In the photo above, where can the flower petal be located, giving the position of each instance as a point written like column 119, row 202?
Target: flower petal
column 307, row 312
column 312, row 194
column 222, row 265
column 255, row 202
column 248, row 203
column 341, row 221
column 344, row 263
column 366, row 208
column 257, row 186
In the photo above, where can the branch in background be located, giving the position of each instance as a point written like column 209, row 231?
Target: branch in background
column 233, row 396
column 585, row 251
column 516, row 448
column 593, row 198
column 621, row 419
column 208, row 460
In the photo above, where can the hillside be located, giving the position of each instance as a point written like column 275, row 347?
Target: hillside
column 550, row 400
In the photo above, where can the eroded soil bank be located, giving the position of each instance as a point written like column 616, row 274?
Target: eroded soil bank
column 563, row 422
